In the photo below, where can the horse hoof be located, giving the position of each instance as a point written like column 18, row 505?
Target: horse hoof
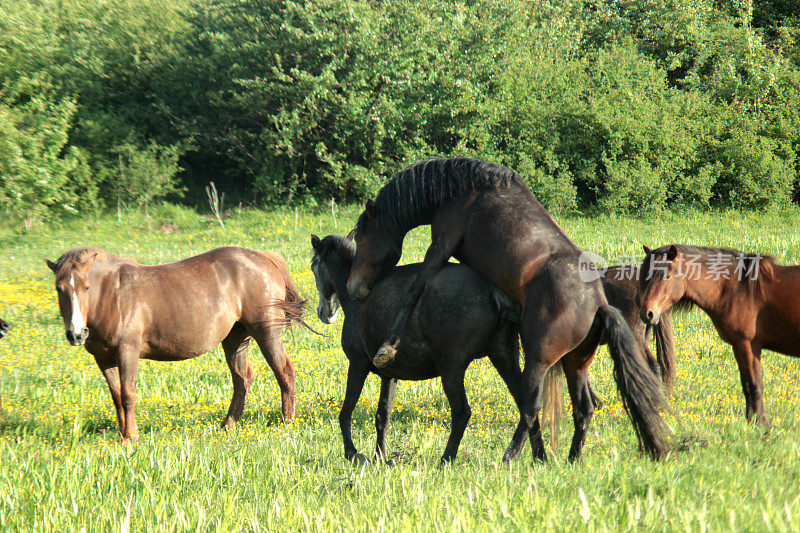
column 384, row 356
column 359, row 460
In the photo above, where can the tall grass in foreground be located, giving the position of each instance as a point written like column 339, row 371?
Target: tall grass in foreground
column 62, row 467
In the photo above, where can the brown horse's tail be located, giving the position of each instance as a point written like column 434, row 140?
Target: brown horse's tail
column 553, row 402
column 637, row 383
column 292, row 303
column 665, row 349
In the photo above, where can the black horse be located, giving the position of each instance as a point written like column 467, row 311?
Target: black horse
column 485, row 216
column 460, row 317
column 4, row 327
column 622, row 287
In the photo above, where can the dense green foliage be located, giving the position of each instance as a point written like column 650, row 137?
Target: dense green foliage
column 629, row 105
column 62, row 467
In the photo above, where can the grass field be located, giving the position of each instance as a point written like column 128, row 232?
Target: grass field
column 63, row 468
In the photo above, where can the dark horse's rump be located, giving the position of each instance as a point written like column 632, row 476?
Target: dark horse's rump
column 485, row 216
column 461, row 316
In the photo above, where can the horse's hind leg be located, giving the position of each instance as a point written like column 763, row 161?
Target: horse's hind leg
column 550, row 329
column 576, row 369
column 235, row 347
column 460, row 412
column 504, row 355
column 270, row 340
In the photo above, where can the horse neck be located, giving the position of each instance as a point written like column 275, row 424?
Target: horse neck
column 98, row 298
column 708, row 293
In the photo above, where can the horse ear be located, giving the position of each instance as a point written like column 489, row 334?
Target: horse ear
column 370, row 208
column 672, row 253
column 315, row 242
column 86, row 264
column 52, row 266
column 647, row 250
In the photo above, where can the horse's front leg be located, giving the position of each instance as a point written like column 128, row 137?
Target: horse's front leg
column 382, row 415
column 110, row 371
column 437, row 255
column 128, row 373
column 357, row 373
column 748, row 359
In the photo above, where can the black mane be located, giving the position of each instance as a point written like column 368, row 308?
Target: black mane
column 410, row 198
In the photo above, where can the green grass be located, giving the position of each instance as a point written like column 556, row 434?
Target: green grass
column 62, row 467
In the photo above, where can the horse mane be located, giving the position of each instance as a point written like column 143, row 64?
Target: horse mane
column 81, row 254
column 410, row 198
column 753, row 284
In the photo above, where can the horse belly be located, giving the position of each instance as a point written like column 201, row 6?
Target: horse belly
column 173, row 340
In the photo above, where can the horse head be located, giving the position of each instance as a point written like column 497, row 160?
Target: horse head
column 328, row 307
column 661, row 282
column 72, row 286
column 375, row 254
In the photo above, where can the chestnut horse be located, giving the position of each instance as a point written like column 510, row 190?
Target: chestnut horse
column 485, row 216
column 460, row 317
column 123, row 311
column 752, row 301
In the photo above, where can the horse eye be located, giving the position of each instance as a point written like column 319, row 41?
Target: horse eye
column 86, row 289
column 667, row 276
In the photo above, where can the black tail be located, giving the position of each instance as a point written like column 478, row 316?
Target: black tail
column 665, row 349
column 637, row 383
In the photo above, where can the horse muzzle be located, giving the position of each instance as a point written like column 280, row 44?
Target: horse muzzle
column 650, row 317
column 77, row 340
column 327, row 315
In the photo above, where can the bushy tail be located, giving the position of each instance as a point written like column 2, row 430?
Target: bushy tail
column 553, row 402
column 665, row 349
column 292, row 304
column 637, row 383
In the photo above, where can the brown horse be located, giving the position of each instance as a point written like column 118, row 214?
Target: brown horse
column 751, row 300
column 485, row 216
column 123, row 311
column 623, row 291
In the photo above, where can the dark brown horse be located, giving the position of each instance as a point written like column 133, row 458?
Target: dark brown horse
column 460, row 317
column 123, row 311
column 752, row 301
column 4, row 327
column 485, row 216
column 623, row 291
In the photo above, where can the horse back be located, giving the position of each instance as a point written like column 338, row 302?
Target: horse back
column 455, row 317
column 185, row 308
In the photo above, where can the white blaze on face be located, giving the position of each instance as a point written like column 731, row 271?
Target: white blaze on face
column 78, row 323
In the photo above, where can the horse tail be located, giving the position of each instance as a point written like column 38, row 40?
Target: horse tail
column 293, row 304
column 637, row 383
column 665, row 349
column 553, row 402
column 510, row 311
